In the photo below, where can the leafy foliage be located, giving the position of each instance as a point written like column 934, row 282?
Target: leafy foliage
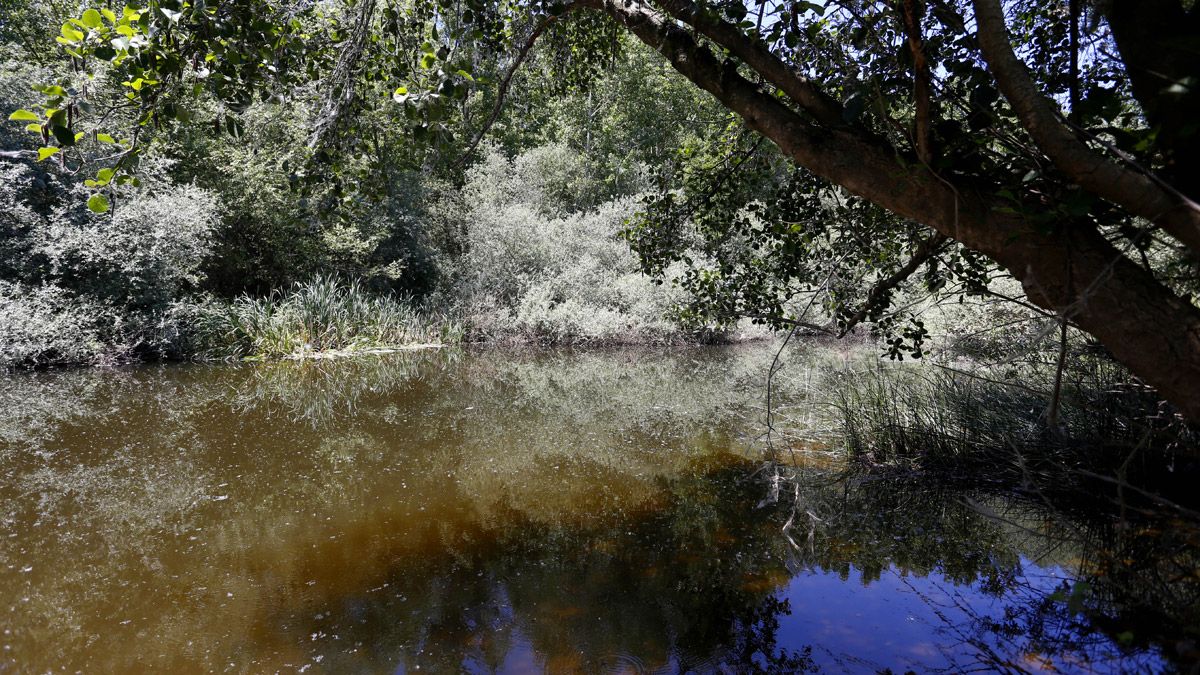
column 539, row 270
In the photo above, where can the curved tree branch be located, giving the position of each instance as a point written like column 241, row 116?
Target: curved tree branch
column 502, row 93
column 1072, row 270
column 881, row 290
column 1138, row 193
column 824, row 108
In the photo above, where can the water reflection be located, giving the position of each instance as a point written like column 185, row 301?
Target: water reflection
column 485, row 513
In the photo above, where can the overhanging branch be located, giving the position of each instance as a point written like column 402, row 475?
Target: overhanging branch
column 502, row 92
column 881, row 290
column 824, row 108
column 1138, row 193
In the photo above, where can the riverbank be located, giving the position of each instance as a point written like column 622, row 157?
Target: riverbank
column 323, row 318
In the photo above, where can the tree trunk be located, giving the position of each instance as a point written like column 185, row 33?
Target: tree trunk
column 1073, row 271
column 1159, row 42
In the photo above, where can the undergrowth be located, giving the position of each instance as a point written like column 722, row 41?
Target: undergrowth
column 321, row 315
column 992, row 423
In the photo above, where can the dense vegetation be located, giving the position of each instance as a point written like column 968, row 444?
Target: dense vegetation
column 262, row 179
column 195, row 254
column 1001, row 191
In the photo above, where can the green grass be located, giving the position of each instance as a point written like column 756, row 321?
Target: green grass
column 321, row 315
column 934, row 418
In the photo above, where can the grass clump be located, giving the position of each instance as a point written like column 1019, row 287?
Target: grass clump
column 972, row 419
column 321, row 315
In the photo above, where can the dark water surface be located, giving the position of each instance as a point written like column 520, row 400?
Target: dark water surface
column 441, row 512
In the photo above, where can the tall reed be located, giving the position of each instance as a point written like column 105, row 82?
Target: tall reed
column 321, row 315
column 963, row 420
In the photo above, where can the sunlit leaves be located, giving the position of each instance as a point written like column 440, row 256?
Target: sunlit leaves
column 98, row 203
column 70, row 35
column 92, row 19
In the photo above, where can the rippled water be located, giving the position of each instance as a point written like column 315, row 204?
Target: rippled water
column 483, row 512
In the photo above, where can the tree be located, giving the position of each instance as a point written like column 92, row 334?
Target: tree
column 1080, row 180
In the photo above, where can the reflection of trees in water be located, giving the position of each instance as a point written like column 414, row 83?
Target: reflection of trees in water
column 690, row 582
column 556, row 506
column 1083, row 585
column 695, row 582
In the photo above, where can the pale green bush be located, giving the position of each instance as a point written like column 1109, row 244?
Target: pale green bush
column 80, row 287
column 145, row 254
column 536, row 270
column 47, row 324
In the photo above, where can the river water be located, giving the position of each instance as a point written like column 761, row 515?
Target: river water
column 495, row 512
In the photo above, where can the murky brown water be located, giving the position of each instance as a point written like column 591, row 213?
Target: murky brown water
column 442, row 512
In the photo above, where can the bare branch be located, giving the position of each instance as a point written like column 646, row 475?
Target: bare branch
column 922, row 81
column 925, row 250
column 824, row 108
column 502, row 92
column 17, row 154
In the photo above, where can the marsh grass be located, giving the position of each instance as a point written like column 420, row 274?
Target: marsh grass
column 322, row 315
column 984, row 423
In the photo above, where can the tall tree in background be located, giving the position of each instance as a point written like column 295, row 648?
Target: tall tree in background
column 1058, row 139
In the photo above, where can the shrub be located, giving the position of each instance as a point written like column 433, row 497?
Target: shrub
column 42, row 325
column 536, row 270
column 81, row 287
column 143, row 256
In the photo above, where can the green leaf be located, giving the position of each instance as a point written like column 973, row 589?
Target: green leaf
column 233, row 127
column 105, row 138
column 108, row 14
column 71, row 34
column 104, row 176
column 24, row 116
column 98, row 203
column 91, row 19
column 46, row 153
column 34, row 128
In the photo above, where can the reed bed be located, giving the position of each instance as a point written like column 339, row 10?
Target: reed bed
column 325, row 314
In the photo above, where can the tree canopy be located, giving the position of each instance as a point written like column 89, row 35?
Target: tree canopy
column 1057, row 141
